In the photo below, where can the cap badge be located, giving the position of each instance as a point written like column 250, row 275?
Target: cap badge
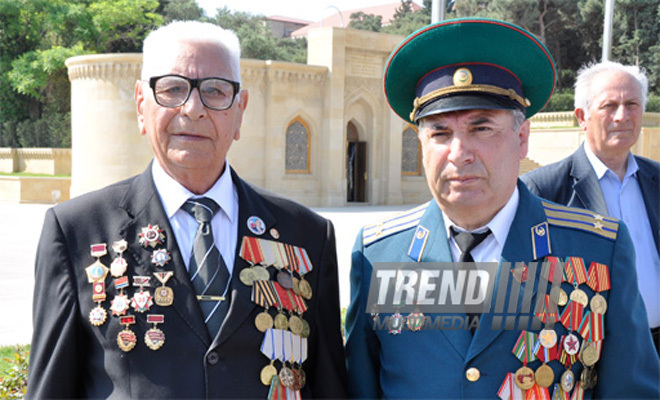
column 462, row 77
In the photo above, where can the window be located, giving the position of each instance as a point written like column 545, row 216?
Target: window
column 410, row 152
column 297, row 148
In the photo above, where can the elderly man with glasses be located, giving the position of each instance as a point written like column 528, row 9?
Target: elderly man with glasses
column 185, row 281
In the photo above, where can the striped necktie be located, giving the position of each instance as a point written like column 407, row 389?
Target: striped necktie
column 208, row 272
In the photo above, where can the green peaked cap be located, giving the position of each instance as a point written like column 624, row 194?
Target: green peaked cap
column 465, row 41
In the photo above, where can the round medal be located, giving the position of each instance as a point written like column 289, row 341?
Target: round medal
column 305, row 289
column 580, row 297
column 548, row 338
column 567, row 380
column 260, row 273
column 306, row 329
column 525, row 378
column 295, row 324
column 559, row 295
column 164, row 296
column 589, row 355
column 286, row 376
column 126, row 340
column 154, row 338
column 571, row 344
column 589, row 377
column 267, row 374
column 98, row 315
column 544, row 376
column 285, row 279
column 303, row 377
column 296, row 380
column 264, row 321
column 598, row 304
column 296, row 286
column 281, row 322
column 247, row 276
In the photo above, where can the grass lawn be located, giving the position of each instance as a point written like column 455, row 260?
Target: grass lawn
column 7, row 357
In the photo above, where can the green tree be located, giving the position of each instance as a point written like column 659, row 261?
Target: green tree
column 407, row 21
column 366, row 22
column 180, row 10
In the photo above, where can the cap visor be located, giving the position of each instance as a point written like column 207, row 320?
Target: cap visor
column 462, row 103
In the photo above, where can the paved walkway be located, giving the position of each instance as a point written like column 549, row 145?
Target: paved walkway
column 20, row 228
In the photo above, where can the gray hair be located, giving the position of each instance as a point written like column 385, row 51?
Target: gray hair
column 586, row 74
column 518, row 119
column 159, row 42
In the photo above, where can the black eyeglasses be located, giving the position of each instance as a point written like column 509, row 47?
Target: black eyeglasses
column 174, row 90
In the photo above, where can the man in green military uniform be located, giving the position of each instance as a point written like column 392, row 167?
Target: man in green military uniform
column 469, row 85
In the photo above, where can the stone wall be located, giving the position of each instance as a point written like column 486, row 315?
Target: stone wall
column 35, row 161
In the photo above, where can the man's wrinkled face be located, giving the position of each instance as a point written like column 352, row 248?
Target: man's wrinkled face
column 614, row 118
column 471, row 160
column 190, row 137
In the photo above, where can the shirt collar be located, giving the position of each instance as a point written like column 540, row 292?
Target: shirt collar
column 601, row 169
column 499, row 225
column 173, row 194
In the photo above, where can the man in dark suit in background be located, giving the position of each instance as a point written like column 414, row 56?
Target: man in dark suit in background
column 605, row 177
column 214, row 288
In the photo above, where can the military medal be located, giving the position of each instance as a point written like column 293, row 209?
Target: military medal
column 295, row 324
column 263, row 321
column 247, row 276
column 96, row 274
column 280, row 321
column 599, row 281
column 163, row 295
column 415, row 321
column 119, row 265
column 306, row 329
column 126, row 339
column 267, row 373
column 508, row 389
column 284, row 278
column 396, row 324
column 303, row 268
column 154, row 337
column 98, row 315
column 571, row 344
column 142, row 300
column 567, row 381
column 160, row 257
column 252, row 253
column 273, row 352
column 589, row 377
column 525, row 352
column 576, row 274
column 544, row 375
column 120, row 304
column 151, row 235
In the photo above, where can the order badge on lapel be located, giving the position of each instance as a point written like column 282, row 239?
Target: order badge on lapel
column 155, row 338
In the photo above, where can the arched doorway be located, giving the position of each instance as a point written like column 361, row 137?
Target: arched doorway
column 356, row 165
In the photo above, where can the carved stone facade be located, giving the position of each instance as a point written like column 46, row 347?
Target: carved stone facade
column 355, row 143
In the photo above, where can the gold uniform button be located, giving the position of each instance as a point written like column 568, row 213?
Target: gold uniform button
column 472, row 374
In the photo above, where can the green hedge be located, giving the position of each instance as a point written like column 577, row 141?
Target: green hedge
column 564, row 102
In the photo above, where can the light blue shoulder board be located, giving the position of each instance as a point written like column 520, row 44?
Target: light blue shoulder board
column 581, row 219
column 397, row 223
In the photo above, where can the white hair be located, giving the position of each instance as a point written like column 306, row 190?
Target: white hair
column 586, row 74
column 160, row 41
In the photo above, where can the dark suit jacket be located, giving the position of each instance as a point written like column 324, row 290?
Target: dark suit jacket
column 72, row 358
column 573, row 182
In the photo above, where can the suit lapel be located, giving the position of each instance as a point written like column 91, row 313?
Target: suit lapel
column 586, row 185
column 648, row 183
column 241, row 305
column 143, row 206
column 517, row 248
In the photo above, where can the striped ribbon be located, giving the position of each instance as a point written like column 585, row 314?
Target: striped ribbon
column 537, row 393
column 578, row 391
column 554, row 262
column 509, row 390
column 575, row 270
column 526, row 347
column 558, row 393
column 592, row 327
column 571, row 317
column 251, row 250
column 599, row 277
column 545, row 314
column 263, row 293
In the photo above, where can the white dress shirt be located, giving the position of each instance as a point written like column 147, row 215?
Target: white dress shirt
column 625, row 201
column 224, row 223
column 490, row 250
